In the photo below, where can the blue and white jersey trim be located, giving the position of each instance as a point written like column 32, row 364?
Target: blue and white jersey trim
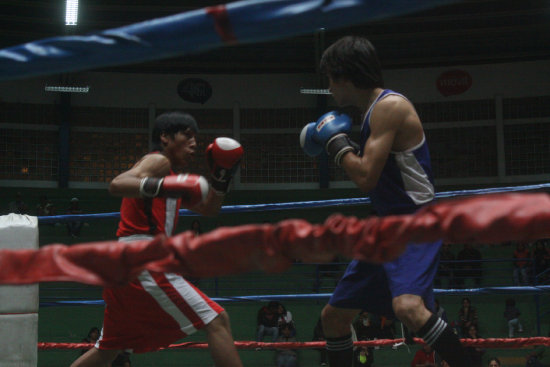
column 416, row 182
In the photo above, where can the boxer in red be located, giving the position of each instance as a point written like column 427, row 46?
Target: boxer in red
column 157, row 309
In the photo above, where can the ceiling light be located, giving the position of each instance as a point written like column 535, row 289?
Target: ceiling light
column 314, row 91
column 71, row 12
column 55, row 88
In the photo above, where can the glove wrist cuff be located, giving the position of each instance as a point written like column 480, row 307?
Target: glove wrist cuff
column 149, row 187
column 220, row 187
column 338, row 157
column 338, row 146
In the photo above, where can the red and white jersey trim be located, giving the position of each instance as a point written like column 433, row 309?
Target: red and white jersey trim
column 179, row 299
column 164, row 304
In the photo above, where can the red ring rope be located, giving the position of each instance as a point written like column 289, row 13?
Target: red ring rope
column 486, row 343
column 492, row 218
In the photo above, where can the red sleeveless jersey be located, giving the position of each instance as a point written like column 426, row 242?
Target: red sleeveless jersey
column 148, row 216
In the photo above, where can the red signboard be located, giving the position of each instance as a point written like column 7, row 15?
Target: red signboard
column 454, row 82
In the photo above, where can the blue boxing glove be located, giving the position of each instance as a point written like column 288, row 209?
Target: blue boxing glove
column 310, row 147
column 331, row 131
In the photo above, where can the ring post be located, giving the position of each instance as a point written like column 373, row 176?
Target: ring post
column 18, row 304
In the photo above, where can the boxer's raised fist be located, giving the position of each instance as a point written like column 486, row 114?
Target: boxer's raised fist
column 331, row 131
column 310, row 146
column 223, row 157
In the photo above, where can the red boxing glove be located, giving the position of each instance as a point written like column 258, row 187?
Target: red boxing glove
column 193, row 189
column 223, row 157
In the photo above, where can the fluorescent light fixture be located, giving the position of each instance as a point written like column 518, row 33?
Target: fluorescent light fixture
column 314, row 91
column 71, row 12
column 64, row 89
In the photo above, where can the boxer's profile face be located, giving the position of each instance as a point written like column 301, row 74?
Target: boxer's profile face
column 180, row 148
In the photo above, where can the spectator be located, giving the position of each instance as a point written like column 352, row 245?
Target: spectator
column 196, row 227
column 363, row 357
column 18, row 206
column 467, row 316
column 285, row 316
column 365, row 328
column 440, row 311
column 534, row 358
column 446, row 266
column 521, row 264
column 475, row 353
column 122, row 360
column 92, row 337
column 541, row 257
column 267, row 322
column 45, row 207
column 494, row 362
column 469, row 269
column 286, row 357
column 319, row 335
column 74, row 227
column 424, row 357
column 387, row 328
column 511, row 314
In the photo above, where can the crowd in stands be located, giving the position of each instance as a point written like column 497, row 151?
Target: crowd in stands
column 368, row 326
column 276, row 324
column 275, row 321
column 457, row 269
column 271, row 319
column 45, row 208
column 467, row 326
column 530, row 263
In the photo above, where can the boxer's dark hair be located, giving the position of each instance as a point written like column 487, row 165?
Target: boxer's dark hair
column 355, row 59
column 170, row 123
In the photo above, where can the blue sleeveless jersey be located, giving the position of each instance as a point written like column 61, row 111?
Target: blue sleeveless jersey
column 406, row 182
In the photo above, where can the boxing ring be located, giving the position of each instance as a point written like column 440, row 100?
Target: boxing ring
column 483, row 216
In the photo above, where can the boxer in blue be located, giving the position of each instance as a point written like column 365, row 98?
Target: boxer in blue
column 391, row 164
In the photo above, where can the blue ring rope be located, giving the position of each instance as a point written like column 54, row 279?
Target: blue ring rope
column 296, row 205
column 323, row 296
column 194, row 31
